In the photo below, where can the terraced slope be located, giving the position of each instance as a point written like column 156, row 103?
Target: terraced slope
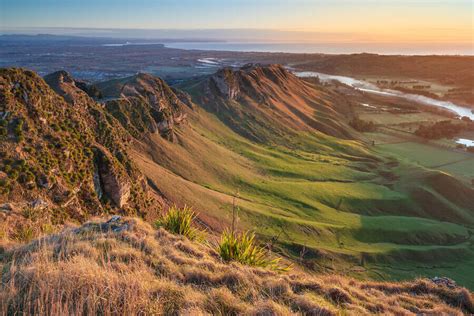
column 347, row 206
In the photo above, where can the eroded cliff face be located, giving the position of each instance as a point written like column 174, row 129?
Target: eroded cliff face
column 113, row 180
column 253, row 80
column 226, row 83
column 73, row 91
column 144, row 103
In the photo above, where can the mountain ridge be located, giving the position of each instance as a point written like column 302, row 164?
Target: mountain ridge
column 62, row 154
column 302, row 187
column 256, row 100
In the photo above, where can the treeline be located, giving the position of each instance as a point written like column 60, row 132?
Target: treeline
column 445, row 129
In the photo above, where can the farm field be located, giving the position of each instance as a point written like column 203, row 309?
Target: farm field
column 394, row 136
column 434, row 87
column 396, row 119
column 425, row 155
column 456, row 163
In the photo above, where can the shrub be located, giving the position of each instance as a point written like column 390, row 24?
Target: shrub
column 13, row 174
column 4, row 182
column 442, row 129
column 18, row 130
column 242, row 248
column 362, row 126
column 24, row 234
column 180, row 221
column 3, row 131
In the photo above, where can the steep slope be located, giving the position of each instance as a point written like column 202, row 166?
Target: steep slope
column 342, row 212
column 62, row 156
column 123, row 266
column 264, row 103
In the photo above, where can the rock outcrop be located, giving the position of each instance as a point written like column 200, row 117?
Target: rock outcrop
column 226, row 83
column 64, row 84
column 113, row 181
column 144, row 103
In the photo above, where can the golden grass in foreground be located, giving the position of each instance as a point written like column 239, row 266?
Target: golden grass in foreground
column 126, row 267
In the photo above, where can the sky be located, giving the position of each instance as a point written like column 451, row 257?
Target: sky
column 434, row 21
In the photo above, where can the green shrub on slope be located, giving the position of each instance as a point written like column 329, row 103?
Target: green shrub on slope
column 242, row 248
column 180, row 221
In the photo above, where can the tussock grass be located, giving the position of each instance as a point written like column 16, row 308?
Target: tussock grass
column 141, row 270
column 243, row 249
column 180, row 221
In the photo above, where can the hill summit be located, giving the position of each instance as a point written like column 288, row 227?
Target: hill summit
column 258, row 100
column 144, row 103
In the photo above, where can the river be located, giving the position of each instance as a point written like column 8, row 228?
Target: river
column 371, row 88
column 465, row 142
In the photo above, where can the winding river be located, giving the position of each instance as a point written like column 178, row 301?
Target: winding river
column 371, row 88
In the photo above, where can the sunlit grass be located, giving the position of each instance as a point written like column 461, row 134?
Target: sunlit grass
column 180, row 221
column 243, row 248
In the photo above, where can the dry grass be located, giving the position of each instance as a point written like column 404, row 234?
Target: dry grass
column 130, row 268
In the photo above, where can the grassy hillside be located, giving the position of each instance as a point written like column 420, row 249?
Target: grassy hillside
column 322, row 198
column 350, row 207
column 124, row 266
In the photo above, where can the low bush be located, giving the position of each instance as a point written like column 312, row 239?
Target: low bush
column 362, row 125
column 180, row 221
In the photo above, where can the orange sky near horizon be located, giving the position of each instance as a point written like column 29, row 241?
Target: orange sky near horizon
column 434, row 21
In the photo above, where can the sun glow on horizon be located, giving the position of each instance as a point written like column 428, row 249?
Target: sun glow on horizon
column 433, row 21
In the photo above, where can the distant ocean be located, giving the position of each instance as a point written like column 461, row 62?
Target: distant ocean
column 331, row 48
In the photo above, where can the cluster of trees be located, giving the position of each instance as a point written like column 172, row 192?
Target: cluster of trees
column 420, row 86
column 362, row 126
column 444, row 129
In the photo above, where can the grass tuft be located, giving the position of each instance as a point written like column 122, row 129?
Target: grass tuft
column 243, row 249
column 180, row 221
